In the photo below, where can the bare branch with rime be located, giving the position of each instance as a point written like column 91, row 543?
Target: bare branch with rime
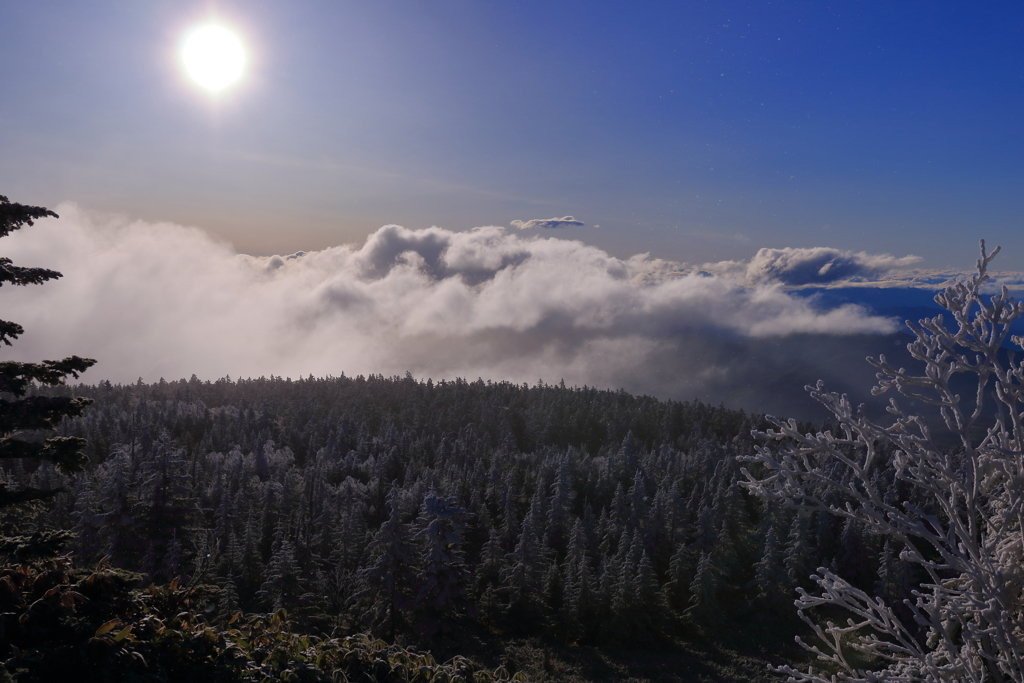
column 968, row 541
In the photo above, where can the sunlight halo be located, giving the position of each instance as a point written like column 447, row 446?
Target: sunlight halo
column 213, row 56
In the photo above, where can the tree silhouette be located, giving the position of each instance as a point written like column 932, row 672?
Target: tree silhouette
column 23, row 417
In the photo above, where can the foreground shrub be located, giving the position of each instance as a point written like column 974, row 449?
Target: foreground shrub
column 59, row 624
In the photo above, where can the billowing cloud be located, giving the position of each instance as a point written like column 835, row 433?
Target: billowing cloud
column 161, row 300
column 820, row 265
column 563, row 222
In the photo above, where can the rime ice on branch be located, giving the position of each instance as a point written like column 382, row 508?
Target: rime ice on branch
column 963, row 527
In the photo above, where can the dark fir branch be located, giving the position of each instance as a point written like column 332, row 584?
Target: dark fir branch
column 20, row 413
column 15, row 216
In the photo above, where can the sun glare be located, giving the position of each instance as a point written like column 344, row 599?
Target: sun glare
column 213, row 57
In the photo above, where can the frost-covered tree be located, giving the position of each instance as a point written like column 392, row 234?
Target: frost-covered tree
column 771, row 581
column 682, row 568
column 576, row 602
column 389, row 574
column 560, row 507
column 963, row 526
column 523, row 576
column 491, row 563
column 167, row 508
column 705, row 607
column 282, row 580
column 799, row 554
column 443, row 578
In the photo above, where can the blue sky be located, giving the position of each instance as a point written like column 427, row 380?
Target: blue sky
column 696, row 131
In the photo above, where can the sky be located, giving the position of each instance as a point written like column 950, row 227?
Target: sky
column 646, row 195
column 696, row 131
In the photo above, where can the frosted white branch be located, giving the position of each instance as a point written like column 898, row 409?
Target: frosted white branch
column 969, row 616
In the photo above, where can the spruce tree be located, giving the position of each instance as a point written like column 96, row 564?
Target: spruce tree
column 389, row 573
column 651, row 612
column 704, row 609
column 524, row 575
column 23, row 417
column 282, row 580
column 487, row 575
column 799, row 554
column 443, row 577
column 681, row 571
column 771, row 581
column 575, row 589
column 560, row 507
column 853, row 561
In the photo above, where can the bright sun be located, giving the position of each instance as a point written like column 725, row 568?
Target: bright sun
column 213, row 56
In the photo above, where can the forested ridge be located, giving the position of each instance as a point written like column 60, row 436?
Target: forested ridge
column 436, row 514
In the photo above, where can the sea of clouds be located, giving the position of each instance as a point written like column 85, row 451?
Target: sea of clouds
column 155, row 300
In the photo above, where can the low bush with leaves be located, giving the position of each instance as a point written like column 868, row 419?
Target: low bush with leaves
column 62, row 624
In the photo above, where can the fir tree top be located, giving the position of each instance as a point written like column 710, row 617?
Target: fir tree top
column 21, row 416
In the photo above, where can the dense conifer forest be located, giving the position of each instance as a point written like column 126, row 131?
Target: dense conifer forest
column 448, row 516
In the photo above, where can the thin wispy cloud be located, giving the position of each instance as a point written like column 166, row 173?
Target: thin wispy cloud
column 160, row 300
column 794, row 268
column 547, row 223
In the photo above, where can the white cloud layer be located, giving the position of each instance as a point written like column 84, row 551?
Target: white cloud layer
column 161, row 300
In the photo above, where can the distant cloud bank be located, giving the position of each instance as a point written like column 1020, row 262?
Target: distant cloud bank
column 548, row 223
column 161, row 300
column 820, row 265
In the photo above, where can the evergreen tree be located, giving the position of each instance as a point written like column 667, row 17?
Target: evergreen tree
column 554, row 590
column 167, row 504
column 443, row 578
column 896, row 580
column 657, row 532
column 622, row 599
column 487, row 576
column 706, row 536
column 24, row 414
column 705, row 608
column 510, row 526
column 389, row 575
column 681, row 570
column 120, row 529
column 650, row 613
column 771, row 581
column 560, row 507
column 282, row 581
column 251, row 565
column 618, row 516
column 575, row 605
column 637, row 495
column 889, row 586
column 727, row 557
column 523, row 577
column 170, row 565
column 853, row 561
column 227, row 605
column 799, row 558
column 626, row 460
